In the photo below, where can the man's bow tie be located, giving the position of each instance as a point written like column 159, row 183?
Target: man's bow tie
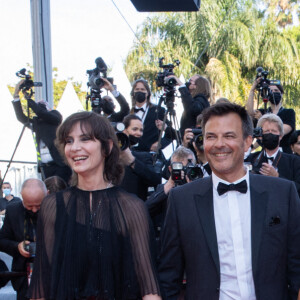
column 240, row 187
column 270, row 158
column 139, row 109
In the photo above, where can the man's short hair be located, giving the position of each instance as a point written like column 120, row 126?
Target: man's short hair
column 271, row 118
column 280, row 87
column 128, row 118
column 225, row 108
column 182, row 153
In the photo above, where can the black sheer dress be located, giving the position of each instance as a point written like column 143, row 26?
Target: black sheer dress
column 93, row 245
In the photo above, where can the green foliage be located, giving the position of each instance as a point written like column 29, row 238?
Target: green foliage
column 231, row 38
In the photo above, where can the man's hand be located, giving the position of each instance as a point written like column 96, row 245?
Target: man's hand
column 176, row 78
column 268, row 170
column 21, row 249
column 159, row 124
column 17, row 89
column 153, row 147
column 126, row 157
column 257, row 114
column 151, row 297
column 107, row 85
column 187, row 137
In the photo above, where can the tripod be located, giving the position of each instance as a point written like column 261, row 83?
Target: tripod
column 169, row 118
column 29, row 125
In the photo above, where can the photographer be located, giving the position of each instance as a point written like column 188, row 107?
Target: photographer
column 275, row 93
column 18, row 233
column 44, row 124
column 139, row 170
column 194, row 95
column 151, row 115
column 271, row 161
column 193, row 139
column 109, row 106
column 157, row 202
column 295, row 142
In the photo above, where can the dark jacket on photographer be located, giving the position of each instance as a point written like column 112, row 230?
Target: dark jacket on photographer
column 18, row 225
column 141, row 175
column 193, row 106
column 287, row 165
column 124, row 108
column 44, row 124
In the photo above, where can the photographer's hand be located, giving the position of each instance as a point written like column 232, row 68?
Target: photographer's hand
column 177, row 79
column 21, row 249
column 187, row 137
column 18, row 89
column 268, row 170
column 169, row 185
column 107, row 85
column 250, row 101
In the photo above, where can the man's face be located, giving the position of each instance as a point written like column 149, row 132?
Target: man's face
column 32, row 198
column 270, row 127
column 6, row 188
column 224, row 146
column 135, row 128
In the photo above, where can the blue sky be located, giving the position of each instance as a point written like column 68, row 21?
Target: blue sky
column 80, row 30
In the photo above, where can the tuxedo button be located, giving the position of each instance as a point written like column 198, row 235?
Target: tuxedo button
column 218, row 290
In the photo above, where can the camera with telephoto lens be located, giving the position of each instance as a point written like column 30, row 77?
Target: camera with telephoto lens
column 161, row 79
column 191, row 170
column 198, row 138
column 123, row 139
column 95, row 75
column 95, row 84
column 264, row 85
column 31, row 248
column 257, row 132
column 28, row 82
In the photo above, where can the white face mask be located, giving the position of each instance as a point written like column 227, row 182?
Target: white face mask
column 6, row 192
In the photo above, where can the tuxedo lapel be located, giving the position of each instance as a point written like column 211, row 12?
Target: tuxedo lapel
column 205, row 209
column 259, row 201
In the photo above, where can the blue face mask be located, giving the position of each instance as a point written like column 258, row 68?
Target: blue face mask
column 6, row 192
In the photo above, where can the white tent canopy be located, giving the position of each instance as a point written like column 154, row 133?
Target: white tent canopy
column 69, row 102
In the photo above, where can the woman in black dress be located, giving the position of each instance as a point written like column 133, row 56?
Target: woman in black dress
column 93, row 238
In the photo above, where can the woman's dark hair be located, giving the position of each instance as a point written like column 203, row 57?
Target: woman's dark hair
column 147, row 87
column 223, row 109
column 127, row 119
column 294, row 137
column 97, row 128
column 202, row 87
column 55, row 184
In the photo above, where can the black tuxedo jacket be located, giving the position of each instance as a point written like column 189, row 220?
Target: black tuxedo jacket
column 151, row 132
column 44, row 125
column 137, row 180
column 288, row 166
column 189, row 240
column 11, row 234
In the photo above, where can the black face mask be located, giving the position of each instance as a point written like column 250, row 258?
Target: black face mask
column 270, row 141
column 275, row 97
column 133, row 139
column 139, row 97
column 108, row 107
column 31, row 215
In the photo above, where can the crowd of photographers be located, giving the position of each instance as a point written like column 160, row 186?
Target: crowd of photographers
column 145, row 133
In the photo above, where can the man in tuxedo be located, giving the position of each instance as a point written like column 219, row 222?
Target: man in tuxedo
column 44, row 125
column 140, row 173
column 19, row 230
column 236, row 235
column 271, row 161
